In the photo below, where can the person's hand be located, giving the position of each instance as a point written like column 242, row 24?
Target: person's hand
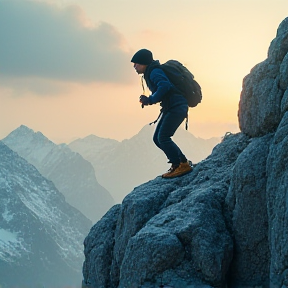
column 144, row 100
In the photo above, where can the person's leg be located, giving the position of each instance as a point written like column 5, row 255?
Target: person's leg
column 163, row 133
column 156, row 133
column 165, row 129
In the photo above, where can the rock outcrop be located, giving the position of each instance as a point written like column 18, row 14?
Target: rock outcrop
column 223, row 225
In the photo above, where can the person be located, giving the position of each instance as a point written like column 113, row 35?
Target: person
column 174, row 110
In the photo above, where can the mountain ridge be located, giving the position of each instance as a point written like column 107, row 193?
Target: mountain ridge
column 41, row 235
column 73, row 176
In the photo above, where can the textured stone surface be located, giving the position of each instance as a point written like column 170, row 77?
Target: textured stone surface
column 247, row 204
column 260, row 103
column 277, row 195
column 160, row 234
column 98, row 250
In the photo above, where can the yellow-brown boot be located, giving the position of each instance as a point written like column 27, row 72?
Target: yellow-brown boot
column 178, row 170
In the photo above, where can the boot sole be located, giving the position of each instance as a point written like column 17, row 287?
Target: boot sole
column 182, row 174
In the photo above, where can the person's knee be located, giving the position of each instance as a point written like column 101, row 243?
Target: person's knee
column 155, row 140
column 162, row 139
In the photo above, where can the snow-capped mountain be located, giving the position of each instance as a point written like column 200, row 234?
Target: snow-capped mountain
column 70, row 172
column 41, row 235
column 136, row 160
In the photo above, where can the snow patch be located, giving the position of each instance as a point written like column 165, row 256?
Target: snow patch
column 11, row 246
column 7, row 216
column 6, row 236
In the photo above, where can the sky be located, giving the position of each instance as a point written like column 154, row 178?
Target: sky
column 65, row 65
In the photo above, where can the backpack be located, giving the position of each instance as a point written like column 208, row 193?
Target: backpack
column 184, row 81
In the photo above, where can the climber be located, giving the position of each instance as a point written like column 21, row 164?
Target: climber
column 174, row 110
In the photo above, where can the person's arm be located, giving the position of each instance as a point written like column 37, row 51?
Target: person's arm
column 159, row 78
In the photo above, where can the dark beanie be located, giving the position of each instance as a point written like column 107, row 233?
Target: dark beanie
column 143, row 57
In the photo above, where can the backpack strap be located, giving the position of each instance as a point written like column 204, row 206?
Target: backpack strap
column 142, row 77
column 142, row 82
column 154, row 122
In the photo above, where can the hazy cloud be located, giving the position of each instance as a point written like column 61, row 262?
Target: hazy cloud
column 25, row 86
column 42, row 40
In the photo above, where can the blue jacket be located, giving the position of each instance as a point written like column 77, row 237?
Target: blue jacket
column 163, row 90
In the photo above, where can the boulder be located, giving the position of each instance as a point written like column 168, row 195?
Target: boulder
column 263, row 89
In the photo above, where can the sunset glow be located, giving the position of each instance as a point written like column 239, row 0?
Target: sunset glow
column 70, row 75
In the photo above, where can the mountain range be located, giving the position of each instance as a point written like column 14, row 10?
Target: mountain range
column 41, row 235
column 73, row 176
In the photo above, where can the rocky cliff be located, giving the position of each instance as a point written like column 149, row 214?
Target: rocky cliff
column 223, row 225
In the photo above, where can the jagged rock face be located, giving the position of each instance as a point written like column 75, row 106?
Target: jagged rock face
column 159, row 232
column 41, row 235
column 264, row 97
column 247, row 204
column 223, row 225
column 277, row 195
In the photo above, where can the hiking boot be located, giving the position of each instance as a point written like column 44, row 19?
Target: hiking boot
column 178, row 170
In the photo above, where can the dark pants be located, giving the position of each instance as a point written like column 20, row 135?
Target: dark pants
column 165, row 129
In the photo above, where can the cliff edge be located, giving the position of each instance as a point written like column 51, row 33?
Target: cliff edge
column 223, row 225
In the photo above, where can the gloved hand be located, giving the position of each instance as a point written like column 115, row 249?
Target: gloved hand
column 144, row 100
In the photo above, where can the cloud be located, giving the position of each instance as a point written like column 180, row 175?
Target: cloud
column 45, row 41
column 24, row 86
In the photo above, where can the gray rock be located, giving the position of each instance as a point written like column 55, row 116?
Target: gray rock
column 277, row 195
column 160, row 234
column 284, row 102
column 98, row 250
column 283, row 73
column 263, row 89
column 247, row 204
column 279, row 46
column 260, row 103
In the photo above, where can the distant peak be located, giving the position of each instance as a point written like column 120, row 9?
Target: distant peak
column 21, row 130
column 24, row 128
column 24, row 132
column 93, row 139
